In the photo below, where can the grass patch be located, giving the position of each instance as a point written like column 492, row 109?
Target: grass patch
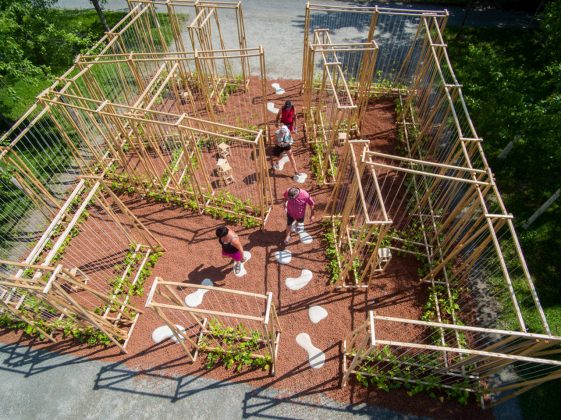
column 512, row 89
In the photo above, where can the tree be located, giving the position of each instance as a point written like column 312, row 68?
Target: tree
column 97, row 6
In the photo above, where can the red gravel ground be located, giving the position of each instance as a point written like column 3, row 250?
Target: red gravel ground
column 193, row 254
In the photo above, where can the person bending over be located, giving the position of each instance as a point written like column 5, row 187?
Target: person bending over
column 231, row 246
column 284, row 143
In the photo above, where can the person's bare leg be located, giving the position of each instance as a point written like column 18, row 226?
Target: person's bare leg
column 292, row 161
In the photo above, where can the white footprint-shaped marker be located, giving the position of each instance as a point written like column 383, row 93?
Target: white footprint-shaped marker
column 196, row 298
column 271, row 108
column 164, row 332
column 297, row 283
column 278, row 89
column 279, row 166
column 282, row 257
column 300, row 178
column 243, row 271
column 315, row 356
column 316, row 314
column 305, row 238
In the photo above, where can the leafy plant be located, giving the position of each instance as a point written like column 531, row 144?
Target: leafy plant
column 385, row 370
column 331, row 251
column 233, row 347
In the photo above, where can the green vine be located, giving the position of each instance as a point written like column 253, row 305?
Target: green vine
column 384, row 370
column 331, row 251
column 223, row 205
column 448, row 308
column 237, row 348
column 122, row 286
column 226, row 206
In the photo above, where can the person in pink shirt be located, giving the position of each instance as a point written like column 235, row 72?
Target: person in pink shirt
column 295, row 207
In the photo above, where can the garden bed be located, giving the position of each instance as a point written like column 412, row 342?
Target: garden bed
column 193, row 254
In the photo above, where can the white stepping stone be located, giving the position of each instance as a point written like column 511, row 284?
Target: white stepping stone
column 279, row 166
column 305, row 238
column 243, row 271
column 196, row 298
column 164, row 332
column 283, row 257
column 297, row 283
column 315, row 356
column 271, row 108
column 300, row 178
column 317, row 313
column 278, row 89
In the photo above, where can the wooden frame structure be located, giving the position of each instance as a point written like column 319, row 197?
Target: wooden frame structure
column 359, row 220
column 438, row 201
column 204, row 28
column 70, row 296
column 471, row 364
column 333, row 106
column 138, row 114
column 236, row 310
column 390, row 28
column 118, row 119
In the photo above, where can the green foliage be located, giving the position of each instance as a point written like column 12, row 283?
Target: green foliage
column 222, row 205
column 315, row 162
column 39, row 43
column 237, row 349
column 386, row 371
column 121, row 284
column 226, row 206
column 66, row 325
column 440, row 302
column 331, row 251
column 512, row 84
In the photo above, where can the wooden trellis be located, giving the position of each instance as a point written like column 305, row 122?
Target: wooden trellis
column 57, row 299
column 202, row 19
column 472, row 363
column 335, row 98
column 394, row 30
column 435, row 199
column 190, row 311
column 71, row 295
column 205, row 32
column 169, row 154
column 119, row 120
column 358, row 218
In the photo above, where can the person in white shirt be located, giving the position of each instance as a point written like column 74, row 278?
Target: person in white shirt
column 283, row 145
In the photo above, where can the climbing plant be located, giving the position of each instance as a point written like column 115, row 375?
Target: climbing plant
column 233, row 347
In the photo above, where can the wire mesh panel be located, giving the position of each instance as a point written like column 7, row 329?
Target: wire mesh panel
column 219, row 322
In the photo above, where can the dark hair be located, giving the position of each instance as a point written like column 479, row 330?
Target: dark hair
column 293, row 192
column 221, row 231
column 287, row 105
